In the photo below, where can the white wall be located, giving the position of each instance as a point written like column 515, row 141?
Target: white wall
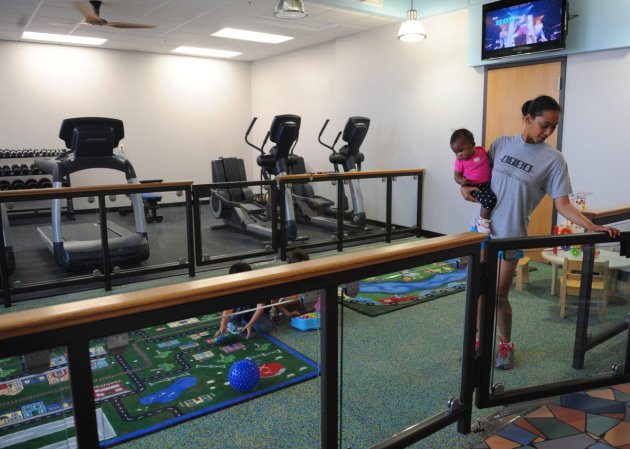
column 179, row 112
column 596, row 126
column 415, row 95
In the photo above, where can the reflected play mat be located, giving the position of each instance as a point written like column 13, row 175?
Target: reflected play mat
column 595, row 419
column 394, row 291
column 167, row 374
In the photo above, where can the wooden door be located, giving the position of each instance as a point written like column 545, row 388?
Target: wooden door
column 507, row 89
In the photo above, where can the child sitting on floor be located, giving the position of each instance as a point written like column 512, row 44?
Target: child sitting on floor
column 246, row 319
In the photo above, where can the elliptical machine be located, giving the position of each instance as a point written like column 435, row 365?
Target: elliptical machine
column 238, row 207
column 350, row 158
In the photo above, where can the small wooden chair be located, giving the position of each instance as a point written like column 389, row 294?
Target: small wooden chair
column 570, row 281
column 522, row 273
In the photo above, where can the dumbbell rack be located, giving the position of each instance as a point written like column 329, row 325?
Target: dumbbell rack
column 16, row 174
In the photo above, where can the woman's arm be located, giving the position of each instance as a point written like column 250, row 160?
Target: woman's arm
column 465, row 191
column 566, row 209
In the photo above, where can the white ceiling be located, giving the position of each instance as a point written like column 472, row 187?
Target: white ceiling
column 187, row 22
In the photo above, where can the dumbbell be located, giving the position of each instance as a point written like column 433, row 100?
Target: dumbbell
column 31, row 183
column 5, row 185
column 6, row 170
column 18, row 184
column 25, row 169
column 45, row 183
column 17, row 171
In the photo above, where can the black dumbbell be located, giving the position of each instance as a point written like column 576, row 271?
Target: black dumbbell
column 32, row 183
column 15, row 168
column 18, row 184
column 5, row 185
column 45, row 183
column 6, row 170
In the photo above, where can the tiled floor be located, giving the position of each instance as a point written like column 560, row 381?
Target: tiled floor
column 596, row 419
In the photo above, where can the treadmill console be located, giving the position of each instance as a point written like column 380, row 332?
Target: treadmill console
column 90, row 137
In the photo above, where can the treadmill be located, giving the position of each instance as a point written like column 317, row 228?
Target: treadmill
column 77, row 246
column 8, row 244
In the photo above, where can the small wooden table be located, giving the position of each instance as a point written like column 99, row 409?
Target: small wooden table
column 615, row 262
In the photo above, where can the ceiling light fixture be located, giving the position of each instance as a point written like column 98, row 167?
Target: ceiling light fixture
column 411, row 30
column 62, row 38
column 290, row 9
column 254, row 36
column 208, row 52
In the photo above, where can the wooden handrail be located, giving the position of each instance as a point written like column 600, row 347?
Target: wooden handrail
column 48, row 318
column 95, row 189
column 608, row 212
column 354, row 174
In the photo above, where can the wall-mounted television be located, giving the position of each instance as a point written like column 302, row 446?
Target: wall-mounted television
column 515, row 27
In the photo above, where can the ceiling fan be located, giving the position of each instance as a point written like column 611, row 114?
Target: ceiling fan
column 91, row 13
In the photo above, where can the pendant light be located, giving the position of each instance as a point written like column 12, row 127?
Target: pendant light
column 290, row 9
column 411, row 30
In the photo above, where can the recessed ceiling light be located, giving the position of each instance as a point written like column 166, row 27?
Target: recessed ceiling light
column 233, row 33
column 63, row 38
column 210, row 52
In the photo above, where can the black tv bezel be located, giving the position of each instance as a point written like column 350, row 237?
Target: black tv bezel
column 557, row 44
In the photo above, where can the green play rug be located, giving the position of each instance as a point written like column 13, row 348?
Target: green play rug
column 395, row 291
column 167, row 374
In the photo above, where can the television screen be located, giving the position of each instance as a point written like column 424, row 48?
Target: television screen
column 514, row 27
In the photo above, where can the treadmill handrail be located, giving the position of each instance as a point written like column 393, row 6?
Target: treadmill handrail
column 65, row 165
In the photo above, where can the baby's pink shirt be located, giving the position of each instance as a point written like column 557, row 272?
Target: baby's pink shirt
column 476, row 169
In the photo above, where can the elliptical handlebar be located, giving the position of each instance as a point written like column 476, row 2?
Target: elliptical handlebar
column 319, row 138
column 249, row 129
column 262, row 148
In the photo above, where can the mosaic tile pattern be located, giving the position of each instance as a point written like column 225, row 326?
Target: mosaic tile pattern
column 595, row 419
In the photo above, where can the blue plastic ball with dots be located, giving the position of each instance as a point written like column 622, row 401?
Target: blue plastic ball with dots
column 243, row 375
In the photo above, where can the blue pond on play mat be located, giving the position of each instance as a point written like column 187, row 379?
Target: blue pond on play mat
column 171, row 392
column 398, row 288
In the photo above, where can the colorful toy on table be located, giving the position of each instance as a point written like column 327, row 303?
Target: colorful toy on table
column 568, row 227
column 306, row 322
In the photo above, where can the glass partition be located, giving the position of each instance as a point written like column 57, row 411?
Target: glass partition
column 164, row 217
column 54, row 240
column 405, row 213
column 401, row 351
column 32, row 236
column 35, row 401
column 218, row 375
column 316, row 203
column 568, row 317
column 233, row 221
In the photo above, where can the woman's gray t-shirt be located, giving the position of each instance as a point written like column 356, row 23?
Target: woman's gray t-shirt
column 522, row 174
